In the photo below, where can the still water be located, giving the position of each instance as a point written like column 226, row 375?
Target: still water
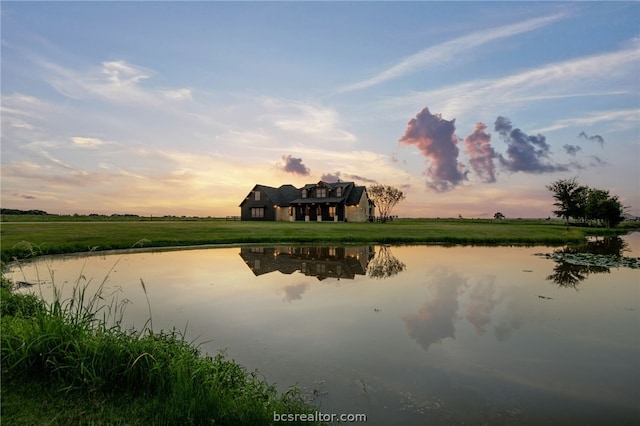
column 404, row 334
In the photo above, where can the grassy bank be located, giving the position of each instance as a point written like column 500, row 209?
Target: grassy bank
column 70, row 362
column 54, row 237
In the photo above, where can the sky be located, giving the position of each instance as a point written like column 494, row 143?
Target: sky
column 180, row 108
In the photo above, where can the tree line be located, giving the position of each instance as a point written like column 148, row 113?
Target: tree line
column 585, row 204
column 24, row 212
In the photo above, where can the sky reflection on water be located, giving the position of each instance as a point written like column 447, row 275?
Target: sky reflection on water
column 448, row 335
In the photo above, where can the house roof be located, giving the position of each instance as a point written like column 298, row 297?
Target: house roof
column 279, row 196
column 355, row 195
column 289, row 194
column 347, row 189
column 285, row 193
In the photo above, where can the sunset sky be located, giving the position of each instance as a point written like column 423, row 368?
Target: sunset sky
column 180, row 108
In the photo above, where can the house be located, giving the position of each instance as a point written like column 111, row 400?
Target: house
column 322, row 201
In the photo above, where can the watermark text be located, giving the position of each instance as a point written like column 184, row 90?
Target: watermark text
column 317, row 416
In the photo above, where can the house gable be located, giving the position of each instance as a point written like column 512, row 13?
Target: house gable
column 258, row 204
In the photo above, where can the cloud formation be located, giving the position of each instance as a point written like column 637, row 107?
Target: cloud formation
column 482, row 301
column 86, row 142
column 24, row 196
column 575, row 77
column 571, row 149
column 435, row 138
column 597, row 161
column 594, row 138
column 524, row 153
column 330, row 177
column 337, row 176
column 294, row 292
column 435, row 320
column 481, row 153
column 294, row 166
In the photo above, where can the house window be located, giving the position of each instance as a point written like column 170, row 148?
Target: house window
column 257, row 212
column 290, row 211
column 339, row 191
column 332, row 211
column 257, row 195
column 304, row 193
column 321, row 192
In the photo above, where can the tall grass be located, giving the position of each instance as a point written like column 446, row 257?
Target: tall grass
column 78, row 346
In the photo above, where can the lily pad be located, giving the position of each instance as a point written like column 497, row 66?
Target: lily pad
column 590, row 259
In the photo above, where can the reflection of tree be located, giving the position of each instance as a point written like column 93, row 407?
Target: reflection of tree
column 385, row 264
column 567, row 274
column 570, row 274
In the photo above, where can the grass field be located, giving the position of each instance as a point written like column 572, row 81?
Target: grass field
column 35, row 236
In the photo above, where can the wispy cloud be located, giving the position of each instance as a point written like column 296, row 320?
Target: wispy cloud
column 178, row 95
column 629, row 116
column 552, row 81
column 443, row 52
column 117, row 82
column 84, row 142
column 306, row 118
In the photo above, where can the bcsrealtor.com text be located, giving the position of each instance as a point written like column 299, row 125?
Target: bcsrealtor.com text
column 317, row 416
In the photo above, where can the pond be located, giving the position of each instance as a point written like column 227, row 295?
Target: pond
column 422, row 334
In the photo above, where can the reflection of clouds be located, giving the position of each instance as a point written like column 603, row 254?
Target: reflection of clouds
column 518, row 313
column 294, row 292
column 434, row 320
column 482, row 302
column 506, row 327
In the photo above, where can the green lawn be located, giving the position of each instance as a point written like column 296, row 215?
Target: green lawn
column 22, row 239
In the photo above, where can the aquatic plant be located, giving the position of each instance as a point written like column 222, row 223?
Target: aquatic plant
column 593, row 259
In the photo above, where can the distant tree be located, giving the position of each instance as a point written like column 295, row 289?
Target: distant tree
column 498, row 216
column 570, row 198
column 604, row 208
column 385, row 198
column 23, row 212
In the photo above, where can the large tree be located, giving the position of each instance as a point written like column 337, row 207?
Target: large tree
column 570, row 198
column 385, row 198
column 583, row 203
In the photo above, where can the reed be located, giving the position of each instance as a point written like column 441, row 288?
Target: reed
column 77, row 350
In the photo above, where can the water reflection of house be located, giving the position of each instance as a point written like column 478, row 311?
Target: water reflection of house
column 319, row 262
